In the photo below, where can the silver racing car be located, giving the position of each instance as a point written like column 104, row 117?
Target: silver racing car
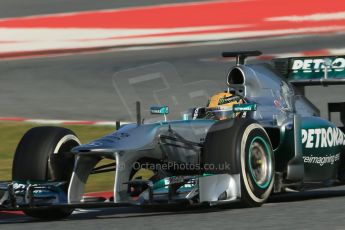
column 258, row 137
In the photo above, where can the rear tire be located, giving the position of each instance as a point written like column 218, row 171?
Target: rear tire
column 43, row 154
column 245, row 145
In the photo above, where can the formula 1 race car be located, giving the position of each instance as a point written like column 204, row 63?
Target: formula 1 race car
column 257, row 138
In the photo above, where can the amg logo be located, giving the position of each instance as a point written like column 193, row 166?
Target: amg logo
column 317, row 65
column 322, row 137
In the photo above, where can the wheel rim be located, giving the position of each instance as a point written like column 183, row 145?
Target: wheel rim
column 259, row 161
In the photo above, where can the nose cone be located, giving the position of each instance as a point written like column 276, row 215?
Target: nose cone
column 129, row 138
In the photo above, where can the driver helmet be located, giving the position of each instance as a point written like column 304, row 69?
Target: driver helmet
column 220, row 106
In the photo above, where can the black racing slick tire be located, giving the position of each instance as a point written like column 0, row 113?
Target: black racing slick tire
column 246, row 147
column 43, row 154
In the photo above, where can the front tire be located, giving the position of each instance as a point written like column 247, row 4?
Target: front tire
column 43, row 154
column 257, row 166
column 245, row 145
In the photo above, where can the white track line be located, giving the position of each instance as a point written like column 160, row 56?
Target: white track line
column 62, row 122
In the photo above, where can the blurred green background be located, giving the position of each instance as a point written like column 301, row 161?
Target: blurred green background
column 12, row 132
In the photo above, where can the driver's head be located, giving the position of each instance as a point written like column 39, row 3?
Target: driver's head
column 220, row 105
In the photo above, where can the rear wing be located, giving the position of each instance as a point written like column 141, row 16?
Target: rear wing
column 305, row 71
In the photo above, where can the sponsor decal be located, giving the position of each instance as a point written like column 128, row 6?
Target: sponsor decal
column 226, row 100
column 323, row 137
column 318, row 65
column 328, row 159
column 244, row 107
column 18, row 186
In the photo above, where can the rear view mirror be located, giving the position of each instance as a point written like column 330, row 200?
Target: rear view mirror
column 159, row 109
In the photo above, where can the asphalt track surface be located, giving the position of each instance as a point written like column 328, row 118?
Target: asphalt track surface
column 96, row 86
column 308, row 210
